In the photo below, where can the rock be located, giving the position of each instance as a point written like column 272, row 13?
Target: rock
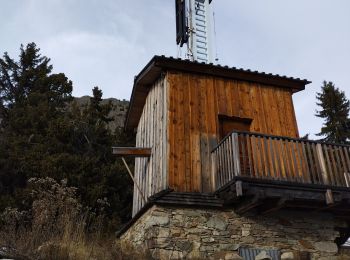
column 169, row 254
column 306, row 244
column 184, row 246
column 332, row 258
column 217, row 223
column 245, row 232
column 328, row 247
column 287, row 256
column 164, row 232
column 157, row 221
column 263, row 256
column 229, row 247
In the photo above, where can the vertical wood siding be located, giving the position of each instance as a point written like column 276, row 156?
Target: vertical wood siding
column 195, row 101
column 150, row 173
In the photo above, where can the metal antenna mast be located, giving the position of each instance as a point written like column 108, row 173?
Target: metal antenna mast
column 194, row 28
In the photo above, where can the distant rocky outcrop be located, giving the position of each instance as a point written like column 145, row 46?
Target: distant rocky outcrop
column 118, row 112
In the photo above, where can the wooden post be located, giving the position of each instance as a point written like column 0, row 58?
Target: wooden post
column 213, row 171
column 329, row 197
column 347, row 179
column 322, row 164
column 236, row 155
column 239, row 189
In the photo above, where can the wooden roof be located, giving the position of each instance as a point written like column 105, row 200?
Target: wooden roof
column 160, row 64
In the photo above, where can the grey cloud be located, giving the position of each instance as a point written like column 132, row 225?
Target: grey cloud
column 107, row 42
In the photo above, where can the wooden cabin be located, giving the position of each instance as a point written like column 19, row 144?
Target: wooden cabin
column 226, row 131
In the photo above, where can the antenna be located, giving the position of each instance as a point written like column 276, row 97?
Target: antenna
column 193, row 27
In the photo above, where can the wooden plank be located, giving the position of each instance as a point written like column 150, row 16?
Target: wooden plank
column 236, row 98
column 292, row 113
column 286, row 160
column 261, row 157
column 244, row 154
column 305, row 162
column 254, row 156
column 260, row 106
column 187, row 135
column 132, row 151
column 165, row 127
column 317, row 163
column 267, row 158
column 171, row 129
column 273, row 112
column 322, row 162
column 299, row 163
column 294, row 160
column 195, row 132
column 340, row 166
column 256, row 125
column 281, row 116
column 239, row 188
column 218, row 151
column 329, row 166
column 149, row 119
column 343, row 159
column 213, row 171
column 204, row 129
column 334, row 165
column 273, row 159
column 347, row 157
column 311, row 163
column 228, row 97
column 270, row 117
column 180, row 133
column 236, row 154
column 229, row 154
column 222, row 103
column 329, row 197
column 276, row 157
column 250, row 159
column 243, row 100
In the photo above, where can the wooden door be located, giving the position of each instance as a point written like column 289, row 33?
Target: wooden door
column 230, row 124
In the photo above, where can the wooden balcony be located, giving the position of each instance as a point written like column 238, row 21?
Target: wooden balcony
column 262, row 172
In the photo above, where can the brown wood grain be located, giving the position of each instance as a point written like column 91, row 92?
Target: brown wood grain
column 196, row 101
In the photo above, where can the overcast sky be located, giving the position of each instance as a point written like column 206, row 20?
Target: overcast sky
column 107, row 42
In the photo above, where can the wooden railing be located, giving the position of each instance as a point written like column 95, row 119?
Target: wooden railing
column 269, row 157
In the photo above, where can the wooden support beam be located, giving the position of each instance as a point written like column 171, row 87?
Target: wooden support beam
column 239, row 189
column 135, row 182
column 248, row 205
column 329, row 197
column 278, row 204
column 132, row 151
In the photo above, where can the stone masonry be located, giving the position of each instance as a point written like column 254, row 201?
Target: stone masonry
column 178, row 233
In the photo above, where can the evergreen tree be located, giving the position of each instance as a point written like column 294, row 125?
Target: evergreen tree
column 335, row 111
column 44, row 133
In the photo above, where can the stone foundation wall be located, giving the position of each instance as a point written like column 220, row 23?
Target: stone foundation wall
column 176, row 233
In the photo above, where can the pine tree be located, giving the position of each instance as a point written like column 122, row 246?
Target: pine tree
column 44, row 133
column 335, row 111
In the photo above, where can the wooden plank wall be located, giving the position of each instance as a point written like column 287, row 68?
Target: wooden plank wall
column 150, row 173
column 195, row 101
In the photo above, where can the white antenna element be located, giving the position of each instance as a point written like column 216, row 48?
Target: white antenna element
column 199, row 46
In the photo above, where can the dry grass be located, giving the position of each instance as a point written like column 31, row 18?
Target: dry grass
column 56, row 228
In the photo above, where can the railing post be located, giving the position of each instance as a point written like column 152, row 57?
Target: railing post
column 213, row 171
column 236, row 155
column 322, row 164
